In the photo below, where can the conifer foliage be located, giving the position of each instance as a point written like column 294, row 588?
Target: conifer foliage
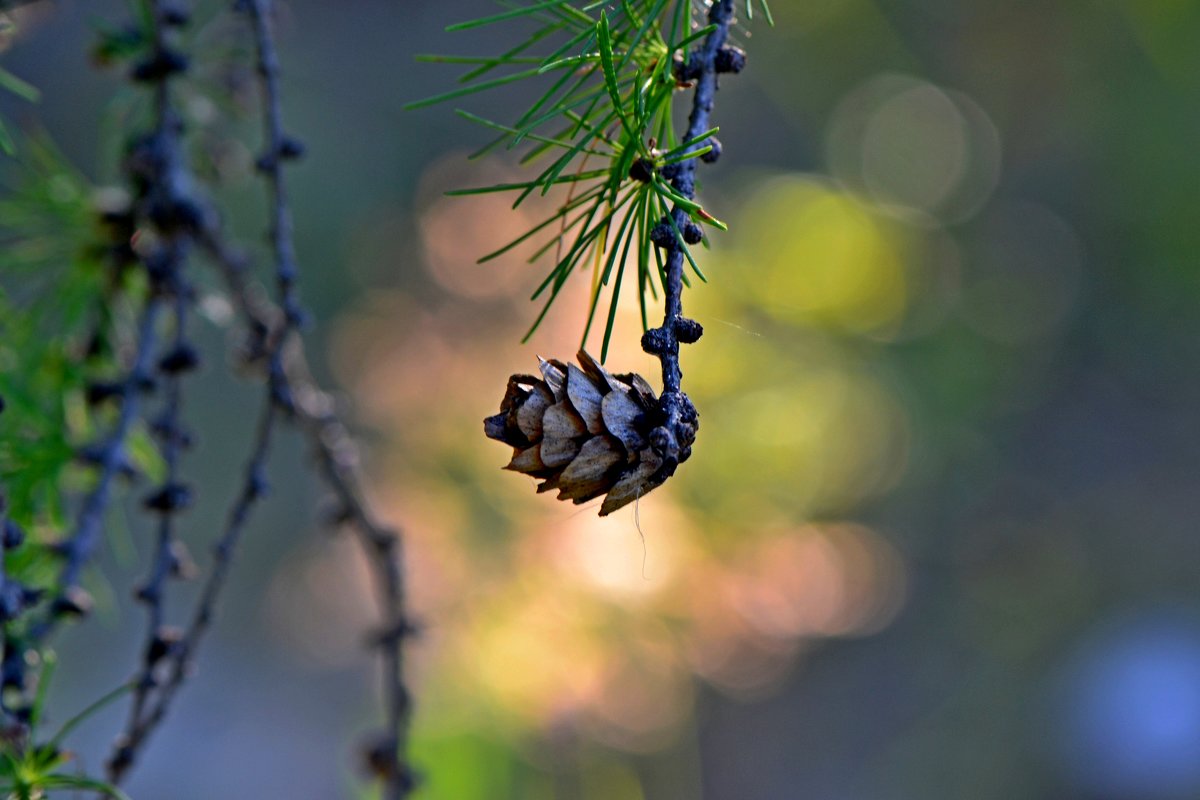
column 99, row 353
column 603, row 138
column 99, row 304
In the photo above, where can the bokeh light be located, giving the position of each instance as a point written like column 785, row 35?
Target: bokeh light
column 1128, row 706
column 920, row 151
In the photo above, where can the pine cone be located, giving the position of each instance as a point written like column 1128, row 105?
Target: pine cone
column 584, row 432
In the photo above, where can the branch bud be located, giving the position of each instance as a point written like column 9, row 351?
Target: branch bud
column 730, row 59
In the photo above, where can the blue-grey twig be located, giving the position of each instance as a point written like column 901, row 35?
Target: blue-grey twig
column 179, row 657
column 325, row 432
column 328, row 440
column 168, row 499
column 169, row 650
column 11, row 727
column 387, row 756
column 111, row 461
column 677, row 431
column 290, row 391
column 157, row 168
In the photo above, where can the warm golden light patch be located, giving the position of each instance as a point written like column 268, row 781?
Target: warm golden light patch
column 815, row 256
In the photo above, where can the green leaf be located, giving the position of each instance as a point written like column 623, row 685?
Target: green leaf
column 695, row 37
column 616, row 293
column 558, row 215
column 683, row 246
column 49, row 663
column 766, row 11
column 617, row 245
column 506, row 56
column 489, row 60
column 676, row 151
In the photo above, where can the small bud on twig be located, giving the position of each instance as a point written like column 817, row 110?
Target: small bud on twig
column 712, row 156
column 73, row 602
column 171, row 497
column 730, row 59
column 291, row 149
column 181, row 358
column 164, row 640
column 174, row 15
column 160, row 66
column 663, row 234
column 688, row 331
column 642, row 170
column 14, row 535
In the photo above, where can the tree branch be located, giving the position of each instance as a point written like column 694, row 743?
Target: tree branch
column 170, row 498
column 180, row 657
column 678, row 418
column 329, row 443
column 290, row 390
column 110, row 458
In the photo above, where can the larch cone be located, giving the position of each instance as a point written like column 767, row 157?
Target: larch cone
column 584, row 432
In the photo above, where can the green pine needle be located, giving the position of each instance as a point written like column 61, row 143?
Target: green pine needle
column 20, row 88
column 558, row 5
column 602, row 121
column 765, row 8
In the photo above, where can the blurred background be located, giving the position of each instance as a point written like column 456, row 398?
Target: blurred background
column 939, row 535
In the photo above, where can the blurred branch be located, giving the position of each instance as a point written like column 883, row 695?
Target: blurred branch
column 384, row 550
column 157, row 168
column 167, row 500
column 110, row 458
column 290, row 390
column 331, row 447
column 179, row 650
column 327, row 436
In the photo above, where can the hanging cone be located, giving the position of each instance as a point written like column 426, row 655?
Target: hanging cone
column 583, row 431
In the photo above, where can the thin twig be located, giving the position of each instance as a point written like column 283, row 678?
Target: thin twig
column 279, row 147
column 329, row 443
column 326, row 435
column 110, row 458
column 290, row 389
column 169, row 499
column 152, row 700
column 160, row 170
column 384, row 550
column 181, row 656
column 679, row 420
column 720, row 15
